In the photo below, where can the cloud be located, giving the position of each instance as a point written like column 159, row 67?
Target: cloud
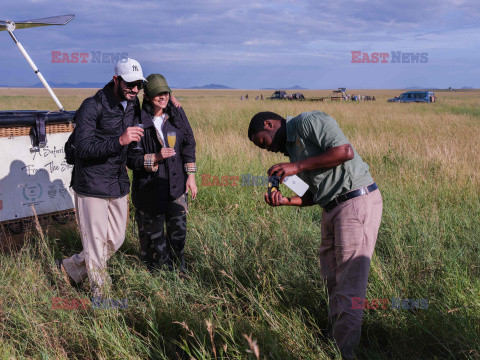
column 257, row 42
column 224, row 38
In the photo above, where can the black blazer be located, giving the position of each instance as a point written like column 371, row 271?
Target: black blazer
column 151, row 191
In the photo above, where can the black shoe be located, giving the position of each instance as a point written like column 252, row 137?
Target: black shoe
column 327, row 333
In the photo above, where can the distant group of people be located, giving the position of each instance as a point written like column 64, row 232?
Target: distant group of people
column 158, row 144
column 359, row 97
column 246, row 97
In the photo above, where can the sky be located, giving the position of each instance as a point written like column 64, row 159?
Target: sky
column 252, row 44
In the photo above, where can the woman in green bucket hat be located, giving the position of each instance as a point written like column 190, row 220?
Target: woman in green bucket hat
column 163, row 165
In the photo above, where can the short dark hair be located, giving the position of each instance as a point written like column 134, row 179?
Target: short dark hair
column 256, row 124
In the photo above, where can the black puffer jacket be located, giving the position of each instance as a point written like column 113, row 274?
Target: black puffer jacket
column 151, row 191
column 100, row 160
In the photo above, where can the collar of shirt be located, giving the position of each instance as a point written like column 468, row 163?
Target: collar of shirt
column 291, row 129
column 291, row 133
column 158, row 122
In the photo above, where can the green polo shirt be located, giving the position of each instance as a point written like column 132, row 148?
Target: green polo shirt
column 312, row 133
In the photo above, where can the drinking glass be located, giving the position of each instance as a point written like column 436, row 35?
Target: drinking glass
column 138, row 147
column 171, row 138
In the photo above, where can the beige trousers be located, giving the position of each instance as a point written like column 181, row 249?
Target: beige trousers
column 349, row 234
column 102, row 223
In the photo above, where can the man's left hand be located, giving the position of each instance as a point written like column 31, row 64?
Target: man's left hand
column 275, row 199
column 175, row 101
column 283, row 170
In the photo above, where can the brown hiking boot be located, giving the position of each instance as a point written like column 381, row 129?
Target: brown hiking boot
column 66, row 278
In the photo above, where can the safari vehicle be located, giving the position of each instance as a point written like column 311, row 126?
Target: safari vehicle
column 278, row 95
column 415, row 96
column 34, row 176
column 339, row 94
column 296, row 96
column 282, row 95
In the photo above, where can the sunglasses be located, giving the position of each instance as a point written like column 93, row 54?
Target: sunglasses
column 131, row 85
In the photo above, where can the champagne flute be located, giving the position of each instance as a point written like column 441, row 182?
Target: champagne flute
column 171, row 138
column 138, row 146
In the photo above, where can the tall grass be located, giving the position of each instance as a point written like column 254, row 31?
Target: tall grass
column 254, row 281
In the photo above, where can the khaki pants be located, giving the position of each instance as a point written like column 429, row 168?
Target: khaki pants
column 349, row 234
column 102, row 223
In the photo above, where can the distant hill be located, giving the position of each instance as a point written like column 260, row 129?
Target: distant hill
column 211, row 86
column 437, row 89
column 101, row 85
column 62, row 85
column 296, row 87
column 70, row 85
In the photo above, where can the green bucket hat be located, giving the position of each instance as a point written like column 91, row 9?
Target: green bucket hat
column 155, row 85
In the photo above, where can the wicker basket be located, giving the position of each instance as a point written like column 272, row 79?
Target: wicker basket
column 14, row 233
column 25, row 130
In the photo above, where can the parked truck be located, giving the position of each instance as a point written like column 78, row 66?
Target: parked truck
column 339, row 94
column 278, row 95
column 282, row 95
column 415, row 96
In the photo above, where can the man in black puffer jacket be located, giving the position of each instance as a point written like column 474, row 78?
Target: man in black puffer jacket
column 104, row 128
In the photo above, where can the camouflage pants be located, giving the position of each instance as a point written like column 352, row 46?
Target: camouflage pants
column 159, row 247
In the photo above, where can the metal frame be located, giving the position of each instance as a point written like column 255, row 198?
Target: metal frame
column 10, row 26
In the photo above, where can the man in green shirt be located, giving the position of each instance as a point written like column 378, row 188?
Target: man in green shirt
column 340, row 182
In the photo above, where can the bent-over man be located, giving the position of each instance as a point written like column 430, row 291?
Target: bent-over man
column 340, row 182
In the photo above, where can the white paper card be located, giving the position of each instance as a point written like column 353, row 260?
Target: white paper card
column 297, row 185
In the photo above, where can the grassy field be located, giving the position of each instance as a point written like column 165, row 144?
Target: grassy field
column 254, row 279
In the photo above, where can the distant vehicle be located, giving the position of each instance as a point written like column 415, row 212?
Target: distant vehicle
column 415, row 96
column 296, row 96
column 282, row 95
column 339, row 94
column 278, row 95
